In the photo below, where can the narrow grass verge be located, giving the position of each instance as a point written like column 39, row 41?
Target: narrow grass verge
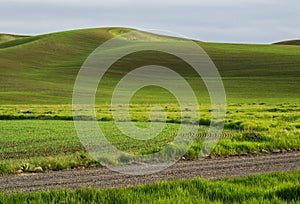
column 269, row 188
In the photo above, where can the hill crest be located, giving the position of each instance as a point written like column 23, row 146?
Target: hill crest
column 289, row 42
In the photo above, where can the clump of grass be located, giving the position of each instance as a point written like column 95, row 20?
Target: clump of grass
column 204, row 121
column 238, row 125
column 124, row 158
column 26, row 167
column 5, row 169
column 193, row 152
column 290, row 193
column 251, row 137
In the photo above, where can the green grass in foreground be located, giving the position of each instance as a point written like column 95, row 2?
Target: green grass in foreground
column 53, row 144
column 269, row 188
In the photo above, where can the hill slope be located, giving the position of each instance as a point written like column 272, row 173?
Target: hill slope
column 42, row 69
column 9, row 37
column 289, row 42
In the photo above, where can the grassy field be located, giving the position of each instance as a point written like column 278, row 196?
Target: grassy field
column 45, row 136
column 253, row 189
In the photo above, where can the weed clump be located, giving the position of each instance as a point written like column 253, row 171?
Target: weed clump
column 251, row 137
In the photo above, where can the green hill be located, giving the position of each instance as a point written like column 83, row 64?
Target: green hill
column 289, row 42
column 9, row 37
column 42, row 69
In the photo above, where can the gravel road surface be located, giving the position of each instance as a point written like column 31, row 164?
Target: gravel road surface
column 101, row 177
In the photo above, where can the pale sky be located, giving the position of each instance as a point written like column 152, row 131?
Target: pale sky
column 243, row 21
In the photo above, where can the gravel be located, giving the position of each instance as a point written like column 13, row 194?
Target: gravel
column 102, row 177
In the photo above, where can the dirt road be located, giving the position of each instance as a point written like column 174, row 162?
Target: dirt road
column 238, row 166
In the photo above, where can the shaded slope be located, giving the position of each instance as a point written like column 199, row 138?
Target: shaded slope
column 289, row 42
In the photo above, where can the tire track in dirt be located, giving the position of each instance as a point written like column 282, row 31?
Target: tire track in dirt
column 101, row 177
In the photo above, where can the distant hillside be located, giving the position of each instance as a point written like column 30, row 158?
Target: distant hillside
column 42, row 69
column 9, row 37
column 289, row 42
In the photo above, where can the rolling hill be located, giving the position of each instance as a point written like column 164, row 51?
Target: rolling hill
column 289, row 42
column 9, row 37
column 42, row 69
